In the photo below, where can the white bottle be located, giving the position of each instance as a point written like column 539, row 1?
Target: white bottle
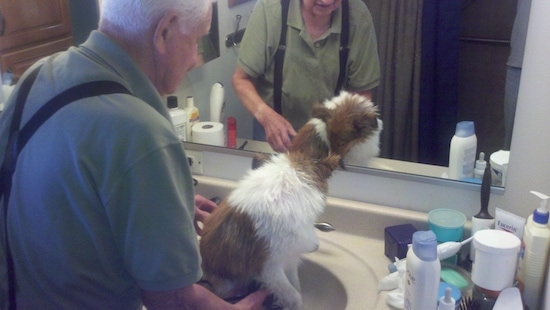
column 479, row 169
column 217, row 103
column 462, row 154
column 193, row 116
column 423, row 272
column 532, row 266
column 179, row 118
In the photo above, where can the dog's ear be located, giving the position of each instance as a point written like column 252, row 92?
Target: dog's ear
column 321, row 112
column 365, row 125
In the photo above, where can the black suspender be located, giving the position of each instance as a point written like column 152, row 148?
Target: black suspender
column 280, row 54
column 344, row 49
column 18, row 138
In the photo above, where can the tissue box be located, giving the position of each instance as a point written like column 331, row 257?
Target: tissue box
column 396, row 240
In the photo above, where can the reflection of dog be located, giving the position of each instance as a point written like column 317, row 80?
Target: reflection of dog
column 347, row 125
column 259, row 232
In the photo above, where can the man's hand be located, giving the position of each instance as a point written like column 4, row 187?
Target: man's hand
column 203, row 208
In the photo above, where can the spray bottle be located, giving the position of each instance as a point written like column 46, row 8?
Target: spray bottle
column 536, row 240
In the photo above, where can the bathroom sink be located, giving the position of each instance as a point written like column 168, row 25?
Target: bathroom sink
column 317, row 280
column 334, row 277
column 343, row 274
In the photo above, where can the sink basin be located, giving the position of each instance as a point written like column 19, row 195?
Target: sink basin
column 317, row 280
column 334, row 277
column 343, row 274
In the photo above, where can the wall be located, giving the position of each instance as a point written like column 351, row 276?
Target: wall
column 199, row 81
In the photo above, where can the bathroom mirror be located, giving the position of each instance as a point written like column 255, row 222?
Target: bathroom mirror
column 479, row 57
column 426, row 90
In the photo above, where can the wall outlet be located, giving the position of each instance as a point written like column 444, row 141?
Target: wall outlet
column 194, row 159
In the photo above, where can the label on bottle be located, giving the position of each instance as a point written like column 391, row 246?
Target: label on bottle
column 181, row 131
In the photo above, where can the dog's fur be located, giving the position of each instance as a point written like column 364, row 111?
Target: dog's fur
column 347, row 125
column 259, row 232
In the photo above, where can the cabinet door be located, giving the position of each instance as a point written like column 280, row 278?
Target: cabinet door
column 30, row 23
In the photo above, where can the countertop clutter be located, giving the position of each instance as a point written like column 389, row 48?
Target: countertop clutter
column 350, row 269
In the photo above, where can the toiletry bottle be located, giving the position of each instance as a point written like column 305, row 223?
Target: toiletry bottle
column 192, row 115
column 231, row 132
column 179, row 118
column 479, row 169
column 447, row 302
column 217, row 103
column 462, row 154
column 423, row 272
column 532, row 266
column 483, row 220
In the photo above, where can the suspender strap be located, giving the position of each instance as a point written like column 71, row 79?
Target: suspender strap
column 19, row 138
column 344, row 49
column 279, row 60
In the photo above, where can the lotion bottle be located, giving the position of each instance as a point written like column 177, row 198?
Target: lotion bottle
column 193, row 116
column 179, row 118
column 423, row 272
column 462, row 153
column 532, row 266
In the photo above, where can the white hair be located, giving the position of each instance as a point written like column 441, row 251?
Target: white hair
column 136, row 16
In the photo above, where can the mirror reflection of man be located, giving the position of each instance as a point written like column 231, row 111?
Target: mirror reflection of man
column 310, row 64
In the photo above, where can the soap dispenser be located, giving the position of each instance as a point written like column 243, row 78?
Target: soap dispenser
column 536, row 240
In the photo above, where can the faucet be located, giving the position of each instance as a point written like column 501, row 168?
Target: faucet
column 324, row 226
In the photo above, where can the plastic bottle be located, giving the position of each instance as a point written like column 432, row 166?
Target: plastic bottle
column 447, row 302
column 423, row 272
column 193, row 116
column 532, row 266
column 217, row 103
column 462, row 154
column 179, row 118
column 479, row 169
column 231, row 132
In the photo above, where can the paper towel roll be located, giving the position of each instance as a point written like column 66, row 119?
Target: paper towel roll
column 209, row 133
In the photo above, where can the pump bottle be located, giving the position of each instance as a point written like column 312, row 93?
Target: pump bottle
column 532, row 266
column 423, row 272
column 462, row 153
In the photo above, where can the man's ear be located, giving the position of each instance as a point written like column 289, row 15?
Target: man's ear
column 164, row 31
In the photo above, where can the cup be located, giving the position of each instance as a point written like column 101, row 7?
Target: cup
column 447, row 224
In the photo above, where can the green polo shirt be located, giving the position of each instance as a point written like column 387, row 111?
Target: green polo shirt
column 311, row 68
column 102, row 203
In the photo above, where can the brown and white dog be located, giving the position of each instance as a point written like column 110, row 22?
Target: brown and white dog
column 258, row 233
column 347, row 125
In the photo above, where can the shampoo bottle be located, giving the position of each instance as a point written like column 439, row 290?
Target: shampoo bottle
column 179, row 118
column 193, row 116
column 536, row 239
column 423, row 272
column 462, row 153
